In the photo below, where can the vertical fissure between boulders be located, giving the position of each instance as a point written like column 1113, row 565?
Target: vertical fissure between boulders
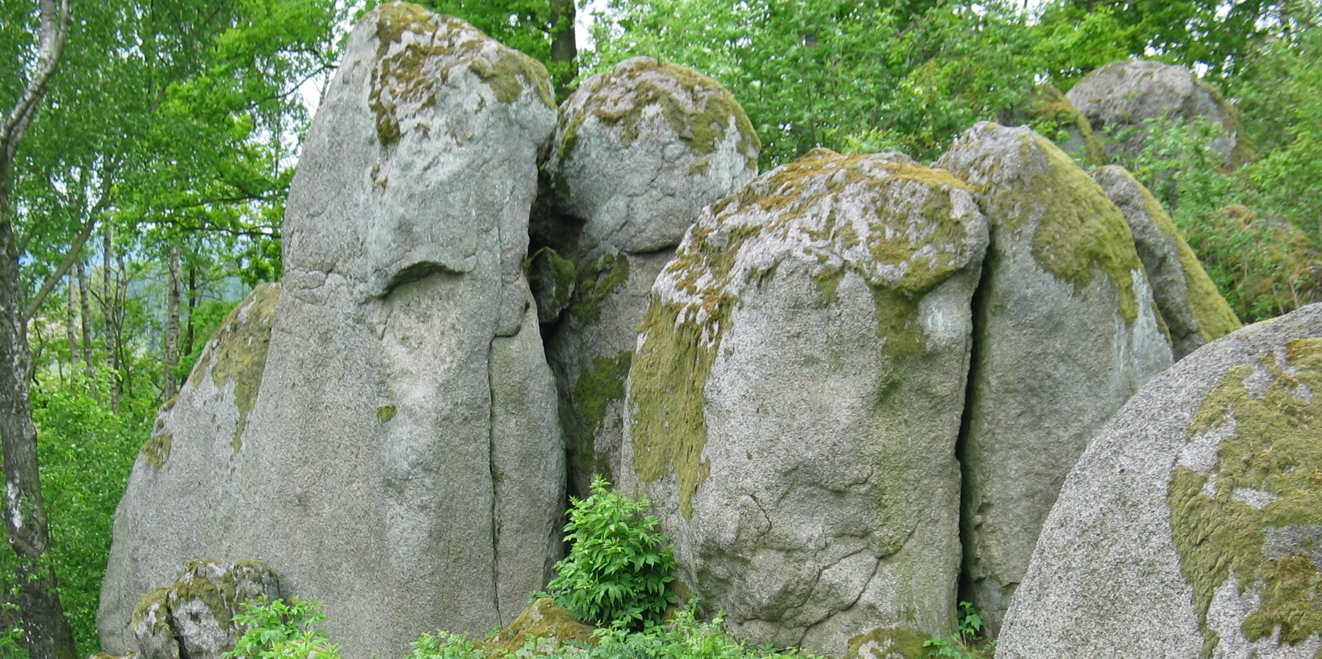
column 494, row 475
column 977, row 315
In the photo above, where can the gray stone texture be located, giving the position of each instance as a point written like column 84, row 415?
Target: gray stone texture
column 194, row 617
column 1199, row 493
column 1065, row 332
column 401, row 460
column 639, row 151
column 1120, row 96
column 795, row 398
column 1192, row 307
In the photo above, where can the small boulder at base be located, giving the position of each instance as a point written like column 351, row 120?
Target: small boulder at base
column 546, row 623
column 401, row 461
column 1192, row 307
column 1118, row 98
column 193, row 618
column 1191, row 526
column 1065, row 332
column 639, row 151
column 795, row 397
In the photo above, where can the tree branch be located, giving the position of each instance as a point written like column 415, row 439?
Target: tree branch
column 61, row 271
column 53, row 39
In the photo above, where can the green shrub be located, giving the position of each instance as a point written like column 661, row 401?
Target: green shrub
column 280, row 630
column 619, row 568
column 444, row 645
column 964, row 643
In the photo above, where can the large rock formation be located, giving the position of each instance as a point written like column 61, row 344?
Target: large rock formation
column 1118, row 98
column 395, row 454
column 796, row 394
column 1191, row 526
column 1051, row 113
column 639, row 151
column 1066, row 331
column 1194, row 311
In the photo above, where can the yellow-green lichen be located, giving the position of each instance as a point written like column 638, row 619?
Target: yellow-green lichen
column 385, row 413
column 1080, row 229
column 156, row 449
column 698, row 109
column 239, row 355
column 888, row 643
column 548, row 624
column 429, row 47
column 1210, row 310
column 1273, row 449
column 157, row 597
column 669, row 374
column 1054, row 114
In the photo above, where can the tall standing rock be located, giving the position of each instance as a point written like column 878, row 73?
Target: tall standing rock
column 401, row 461
column 795, row 397
column 639, row 151
column 1066, row 332
column 1191, row 526
column 1193, row 309
column 1119, row 97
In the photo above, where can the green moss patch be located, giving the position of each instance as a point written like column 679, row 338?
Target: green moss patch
column 431, row 47
column 1275, row 449
column 1053, row 113
column 385, row 413
column 157, row 449
column 888, row 644
column 696, row 107
column 596, row 280
column 544, row 621
column 601, row 385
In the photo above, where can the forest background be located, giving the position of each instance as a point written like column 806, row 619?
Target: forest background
column 145, row 196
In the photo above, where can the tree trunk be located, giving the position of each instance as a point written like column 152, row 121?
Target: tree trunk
column 86, row 321
column 171, row 386
column 71, row 322
column 48, row 635
column 564, row 47
column 108, row 295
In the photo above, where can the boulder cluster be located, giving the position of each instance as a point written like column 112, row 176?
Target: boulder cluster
column 853, row 387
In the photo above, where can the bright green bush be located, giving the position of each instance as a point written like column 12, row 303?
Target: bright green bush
column 619, row 567
column 282, row 630
column 963, row 644
column 444, row 645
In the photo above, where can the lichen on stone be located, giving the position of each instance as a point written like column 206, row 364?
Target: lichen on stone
column 698, row 109
column 888, row 643
column 902, row 227
column 418, row 51
column 549, row 625
column 385, row 413
column 157, row 448
column 596, row 279
column 596, row 388
column 1273, row 447
column 1053, row 113
column 237, row 352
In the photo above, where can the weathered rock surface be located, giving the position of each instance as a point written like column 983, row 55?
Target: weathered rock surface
column 401, row 460
column 1120, row 96
column 795, row 397
column 1066, row 331
column 193, row 618
column 546, row 623
column 639, row 151
column 1190, row 526
column 1192, row 308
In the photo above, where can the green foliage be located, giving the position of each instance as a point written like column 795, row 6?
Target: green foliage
column 618, row 568
column 444, row 645
column 964, row 643
column 206, row 319
column 282, row 630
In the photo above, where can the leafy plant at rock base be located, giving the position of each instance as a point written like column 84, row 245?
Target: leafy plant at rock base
column 282, row 630
column 619, row 568
column 444, row 645
column 962, row 644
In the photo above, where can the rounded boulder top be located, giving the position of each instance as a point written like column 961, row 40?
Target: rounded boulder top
column 640, row 149
column 1190, row 527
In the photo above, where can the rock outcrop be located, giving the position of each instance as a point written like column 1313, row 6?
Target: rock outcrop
column 1118, row 98
column 1192, row 308
column 795, row 397
column 1191, row 525
column 1066, row 331
column 396, row 455
column 1051, row 113
column 193, row 618
column 639, row 151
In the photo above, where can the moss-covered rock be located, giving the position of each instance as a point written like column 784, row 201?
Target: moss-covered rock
column 1190, row 305
column 193, row 618
column 1050, row 113
column 548, row 625
column 797, row 379
column 888, row 644
column 1118, row 98
column 1191, row 525
column 1066, row 331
